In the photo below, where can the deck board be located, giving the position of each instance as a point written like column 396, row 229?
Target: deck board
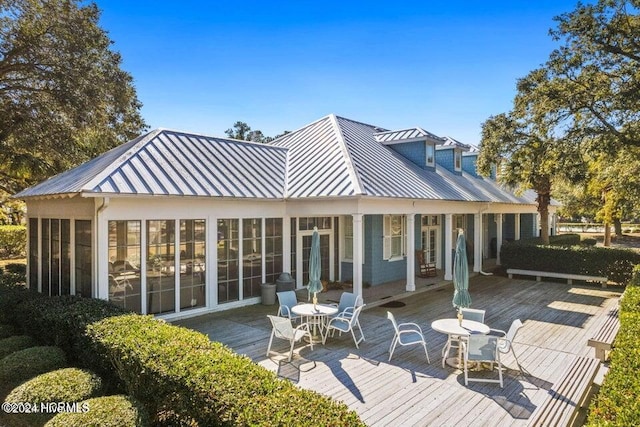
column 558, row 319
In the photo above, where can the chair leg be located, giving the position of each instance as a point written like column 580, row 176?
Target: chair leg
column 425, row 350
column 393, row 347
column 270, row 341
column 291, row 351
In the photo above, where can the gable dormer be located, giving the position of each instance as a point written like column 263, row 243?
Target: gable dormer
column 449, row 155
column 415, row 144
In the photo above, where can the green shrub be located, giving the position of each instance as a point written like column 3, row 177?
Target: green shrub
column 615, row 264
column 13, row 241
column 618, row 401
column 62, row 385
column 588, row 241
column 106, row 411
column 16, row 268
column 635, row 276
column 15, row 343
column 6, row 331
column 26, row 364
column 11, row 295
column 185, row 378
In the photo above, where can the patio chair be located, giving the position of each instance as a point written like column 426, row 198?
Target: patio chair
column 427, row 269
column 283, row 329
column 481, row 348
column 345, row 322
column 348, row 303
column 406, row 334
column 454, row 341
column 287, row 300
column 505, row 342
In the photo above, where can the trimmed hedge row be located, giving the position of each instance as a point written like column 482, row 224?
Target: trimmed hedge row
column 62, row 385
column 26, row 364
column 615, row 264
column 189, row 380
column 106, row 411
column 15, row 343
column 13, row 241
column 618, row 401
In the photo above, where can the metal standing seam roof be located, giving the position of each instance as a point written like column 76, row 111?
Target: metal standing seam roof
column 331, row 157
column 396, row 136
column 165, row 162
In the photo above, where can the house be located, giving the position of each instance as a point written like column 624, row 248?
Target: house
column 177, row 224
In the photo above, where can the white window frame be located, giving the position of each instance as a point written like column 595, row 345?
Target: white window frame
column 348, row 220
column 457, row 160
column 432, row 146
column 389, row 235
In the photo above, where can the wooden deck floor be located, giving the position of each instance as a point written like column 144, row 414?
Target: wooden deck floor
column 558, row 319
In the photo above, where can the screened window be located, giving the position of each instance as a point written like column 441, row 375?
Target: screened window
column 125, row 287
column 33, row 254
column 192, row 263
column 251, row 256
column 273, row 248
column 83, row 257
column 228, row 260
column 55, row 268
column 161, row 258
column 348, row 238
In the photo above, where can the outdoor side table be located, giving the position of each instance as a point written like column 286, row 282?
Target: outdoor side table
column 453, row 327
column 316, row 315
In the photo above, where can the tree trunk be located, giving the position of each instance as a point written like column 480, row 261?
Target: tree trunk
column 617, row 225
column 544, row 200
column 607, row 234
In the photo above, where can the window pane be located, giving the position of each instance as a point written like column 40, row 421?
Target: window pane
column 273, row 245
column 83, row 258
column 124, row 264
column 228, row 260
column 33, row 254
column 161, row 279
column 46, row 254
column 251, row 257
column 65, row 257
column 192, row 263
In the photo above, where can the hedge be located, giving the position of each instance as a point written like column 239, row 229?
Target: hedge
column 15, row 343
column 62, row 385
column 13, row 241
column 6, row 331
column 615, row 264
column 618, row 401
column 189, row 380
column 106, row 411
column 26, row 364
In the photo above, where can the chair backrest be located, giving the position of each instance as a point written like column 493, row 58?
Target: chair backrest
column 356, row 313
column 482, row 347
column 281, row 327
column 473, row 314
column 391, row 317
column 513, row 330
column 347, row 299
column 287, row 299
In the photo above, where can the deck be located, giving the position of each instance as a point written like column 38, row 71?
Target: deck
column 558, row 319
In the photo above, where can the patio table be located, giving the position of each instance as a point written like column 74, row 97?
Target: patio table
column 452, row 327
column 316, row 315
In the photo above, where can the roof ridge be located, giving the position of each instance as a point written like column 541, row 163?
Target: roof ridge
column 378, row 128
column 347, row 156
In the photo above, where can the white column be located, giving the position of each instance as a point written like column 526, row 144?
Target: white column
column 477, row 242
column 448, row 247
column 286, row 244
column 411, row 249
column 100, row 242
column 498, row 237
column 358, row 242
column 517, row 227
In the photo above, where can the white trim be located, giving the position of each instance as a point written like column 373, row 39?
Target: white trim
column 448, row 246
column 411, row 244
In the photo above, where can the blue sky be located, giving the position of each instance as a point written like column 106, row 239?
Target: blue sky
column 446, row 66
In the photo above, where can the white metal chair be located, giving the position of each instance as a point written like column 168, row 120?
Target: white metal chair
column 454, row 341
column 348, row 303
column 287, row 300
column 345, row 322
column 481, row 348
column 283, row 329
column 406, row 334
column 505, row 342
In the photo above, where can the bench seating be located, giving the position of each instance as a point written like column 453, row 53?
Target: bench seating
column 570, row 277
column 572, row 392
column 603, row 340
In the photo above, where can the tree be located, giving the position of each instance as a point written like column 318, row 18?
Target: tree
column 243, row 132
column 594, row 73
column 529, row 148
column 63, row 96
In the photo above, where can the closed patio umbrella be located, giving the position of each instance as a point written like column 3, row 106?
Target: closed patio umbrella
column 314, row 285
column 461, row 297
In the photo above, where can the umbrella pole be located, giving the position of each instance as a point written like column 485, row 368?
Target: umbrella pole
column 315, row 300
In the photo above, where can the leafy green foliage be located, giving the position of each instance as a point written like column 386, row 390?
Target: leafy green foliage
column 63, row 97
column 62, row 385
column 6, row 331
column 618, row 401
column 188, row 380
column 13, row 241
column 106, row 411
column 15, row 343
column 615, row 264
column 26, row 364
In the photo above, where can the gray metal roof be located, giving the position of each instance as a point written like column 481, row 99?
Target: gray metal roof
column 331, row 157
column 166, row 162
